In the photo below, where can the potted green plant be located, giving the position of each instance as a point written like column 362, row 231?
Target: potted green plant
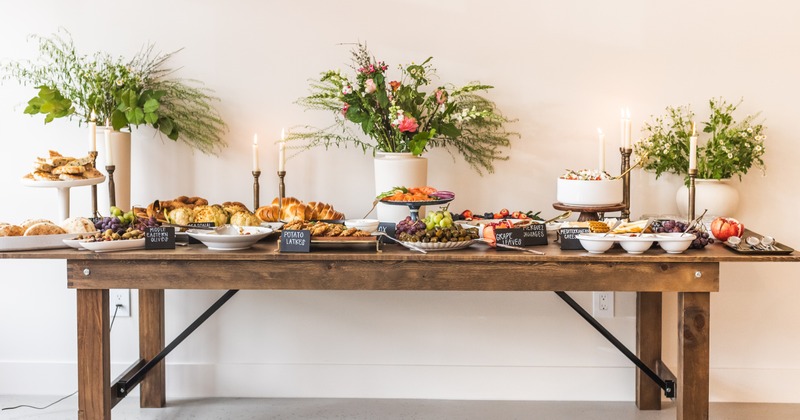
column 124, row 92
column 729, row 148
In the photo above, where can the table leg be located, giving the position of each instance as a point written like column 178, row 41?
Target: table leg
column 94, row 361
column 693, row 355
column 151, row 341
column 648, row 348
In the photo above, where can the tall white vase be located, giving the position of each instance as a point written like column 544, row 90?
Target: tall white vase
column 395, row 170
column 716, row 195
column 121, row 154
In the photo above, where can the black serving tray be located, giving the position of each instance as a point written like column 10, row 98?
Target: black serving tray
column 745, row 249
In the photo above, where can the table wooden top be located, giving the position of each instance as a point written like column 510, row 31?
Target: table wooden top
column 267, row 251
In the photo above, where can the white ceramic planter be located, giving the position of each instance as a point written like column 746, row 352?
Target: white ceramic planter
column 589, row 193
column 121, row 150
column 394, row 170
column 716, row 195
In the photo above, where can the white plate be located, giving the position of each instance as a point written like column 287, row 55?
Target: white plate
column 108, row 246
column 272, row 225
column 231, row 242
column 440, row 246
column 29, row 243
column 74, row 243
column 62, row 184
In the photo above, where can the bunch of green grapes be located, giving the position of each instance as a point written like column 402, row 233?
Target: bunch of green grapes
column 441, row 218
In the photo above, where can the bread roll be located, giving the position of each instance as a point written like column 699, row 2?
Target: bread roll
column 233, row 207
column 45, row 228
column 286, row 201
column 11, row 230
column 78, row 225
column 245, row 218
column 30, row 222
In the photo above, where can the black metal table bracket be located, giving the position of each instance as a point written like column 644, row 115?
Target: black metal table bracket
column 134, row 375
column 669, row 386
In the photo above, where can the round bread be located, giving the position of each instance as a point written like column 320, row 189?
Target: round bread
column 45, row 228
column 245, row 218
column 78, row 225
column 233, row 207
column 11, row 230
column 30, row 222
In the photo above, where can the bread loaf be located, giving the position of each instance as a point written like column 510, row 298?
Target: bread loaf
column 269, row 213
column 325, row 211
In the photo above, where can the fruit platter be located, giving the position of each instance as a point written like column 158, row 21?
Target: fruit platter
column 415, row 198
column 437, row 232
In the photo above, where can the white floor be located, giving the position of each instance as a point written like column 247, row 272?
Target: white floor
column 368, row 409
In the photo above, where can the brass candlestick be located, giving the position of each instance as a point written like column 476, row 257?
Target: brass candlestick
column 281, row 189
column 692, row 177
column 626, row 182
column 256, row 191
column 112, row 194
column 93, row 155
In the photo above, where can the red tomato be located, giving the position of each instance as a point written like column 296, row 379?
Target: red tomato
column 724, row 227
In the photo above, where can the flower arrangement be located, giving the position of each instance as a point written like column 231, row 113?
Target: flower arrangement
column 124, row 92
column 732, row 148
column 405, row 115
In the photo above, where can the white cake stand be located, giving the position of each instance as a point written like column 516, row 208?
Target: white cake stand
column 63, row 190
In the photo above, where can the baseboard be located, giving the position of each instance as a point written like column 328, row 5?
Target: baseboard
column 562, row 383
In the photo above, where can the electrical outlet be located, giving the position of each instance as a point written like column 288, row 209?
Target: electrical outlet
column 603, row 304
column 120, row 297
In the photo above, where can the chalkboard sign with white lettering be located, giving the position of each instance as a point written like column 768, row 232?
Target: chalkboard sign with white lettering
column 295, row 241
column 159, row 238
column 203, row 224
column 535, row 234
column 569, row 238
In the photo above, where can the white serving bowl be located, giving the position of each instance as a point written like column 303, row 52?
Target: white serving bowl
column 217, row 242
column 367, row 225
column 636, row 244
column 675, row 243
column 589, row 193
column 596, row 243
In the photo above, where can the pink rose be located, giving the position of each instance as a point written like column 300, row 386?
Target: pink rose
column 409, row 124
column 441, row 96
column 345, row 108
column 370, row 86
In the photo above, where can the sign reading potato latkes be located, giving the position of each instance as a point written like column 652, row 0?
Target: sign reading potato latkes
column 295, row 241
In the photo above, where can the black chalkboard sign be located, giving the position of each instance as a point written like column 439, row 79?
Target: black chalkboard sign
column 203, row 224
column 161, row 237
column 295, row 241
column 389, row 228
column 535, row 234
column 508, row 236
column 568, row 237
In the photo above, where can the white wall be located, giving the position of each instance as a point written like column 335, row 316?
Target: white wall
column 561, row 68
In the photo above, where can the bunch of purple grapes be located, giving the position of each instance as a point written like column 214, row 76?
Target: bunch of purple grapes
column 409, row 227
column 673, row 226
column 112, row 223
column 668, row 226
column 145, row 222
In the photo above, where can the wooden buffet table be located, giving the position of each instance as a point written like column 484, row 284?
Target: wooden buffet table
column 693, row 275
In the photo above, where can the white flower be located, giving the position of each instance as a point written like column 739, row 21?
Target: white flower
column 730, row 155
column 120, row 82
column 758, row 148
column 347, row 90
column 749, row 129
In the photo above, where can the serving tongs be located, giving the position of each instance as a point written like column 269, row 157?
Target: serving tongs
column 219, row 230
column 409, row 246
